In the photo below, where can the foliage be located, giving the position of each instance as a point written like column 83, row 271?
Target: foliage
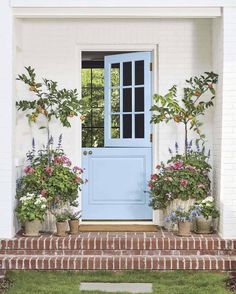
column 30, row 207
column 181, row 178
column 187, row 111
column 61, row 217
column 50, row 102
column 67, row 282
column 50, row 174
column 74, row 215
column 180, row 215
column 207, row 208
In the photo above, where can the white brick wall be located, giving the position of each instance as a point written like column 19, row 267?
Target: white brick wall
column 6, row 118
column 224, row 47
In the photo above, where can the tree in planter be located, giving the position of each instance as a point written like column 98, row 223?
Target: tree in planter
column 50, row 102
column 187, row 111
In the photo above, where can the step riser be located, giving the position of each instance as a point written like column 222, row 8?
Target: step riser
column 119, row 252
column 117, row 244
column 118, row 263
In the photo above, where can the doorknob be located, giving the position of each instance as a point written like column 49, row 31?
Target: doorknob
column 85, row 152
column 90, row 152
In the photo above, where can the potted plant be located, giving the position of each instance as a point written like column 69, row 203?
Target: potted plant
column 31, row 210
column 181, row 182
column 61, row 223
column 183, row 219
column 50, row 173
column 74, row 222
column 207, row 211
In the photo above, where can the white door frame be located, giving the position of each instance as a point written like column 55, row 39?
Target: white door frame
column 155, row 146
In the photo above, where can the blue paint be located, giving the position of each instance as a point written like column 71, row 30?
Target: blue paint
column 118, row 173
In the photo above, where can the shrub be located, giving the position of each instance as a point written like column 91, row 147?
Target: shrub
column 183, row 177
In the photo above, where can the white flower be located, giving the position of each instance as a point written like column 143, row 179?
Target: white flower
column 208, row 199
column 43, row 206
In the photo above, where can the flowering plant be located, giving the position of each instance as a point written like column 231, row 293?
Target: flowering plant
column 207, row 208
column 50, row 173
column 181, row 178
column 180, row 215
column 31, row 207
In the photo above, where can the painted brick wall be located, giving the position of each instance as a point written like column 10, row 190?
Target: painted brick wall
column 6, row 146
column 225, row 120
column 184, row 47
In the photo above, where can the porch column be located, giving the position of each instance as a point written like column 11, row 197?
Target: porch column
column 224, row 48
column 7, row 182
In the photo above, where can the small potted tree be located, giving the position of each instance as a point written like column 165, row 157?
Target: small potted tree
column 31, row 210
column 207, row 211
column 74, row 222
column 183, row 219
column 61, row 224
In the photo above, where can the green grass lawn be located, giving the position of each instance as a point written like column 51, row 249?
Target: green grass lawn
column 35, row 282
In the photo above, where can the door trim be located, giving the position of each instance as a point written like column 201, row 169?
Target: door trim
column 79, row 48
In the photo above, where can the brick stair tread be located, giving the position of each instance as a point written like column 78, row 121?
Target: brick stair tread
column 97, row 262
column 130, row 242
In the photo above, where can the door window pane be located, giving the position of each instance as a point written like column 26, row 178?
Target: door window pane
column 127, row 100
column 97, row 137
column 139, row 72
column 115, row 133
column 115, row 100
column 115, row 75
column 97, row 117
column 139, row 125
column 139, row 99
column 127, row 73
column 127, row 126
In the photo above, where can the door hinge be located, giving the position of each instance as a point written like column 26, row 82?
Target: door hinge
column 151, row 138
column 150, row 66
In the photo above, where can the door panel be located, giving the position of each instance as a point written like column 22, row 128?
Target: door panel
column 127, row 100
column 117, row 184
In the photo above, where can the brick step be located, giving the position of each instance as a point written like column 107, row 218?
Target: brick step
column 47, row 262
column 155, row 252
column 106, row 242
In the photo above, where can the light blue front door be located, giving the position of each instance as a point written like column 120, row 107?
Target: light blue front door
column 118, row 173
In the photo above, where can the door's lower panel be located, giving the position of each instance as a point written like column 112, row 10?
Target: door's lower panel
column 117, row 184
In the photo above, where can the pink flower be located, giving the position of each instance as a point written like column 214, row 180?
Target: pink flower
column 62, row 160
column 154, row 177
column 183, row 182
column 178, row 165
column 48, row 170
column 29, row 169
column 190, row 167
column 169, row 179
column 78, row 179
column 78, row 169
column 150, row 185
column 158, row 166
column 201, row 186
column 43, row 193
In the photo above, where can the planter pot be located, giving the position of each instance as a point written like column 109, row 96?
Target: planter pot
column 61, row 229
column 184, row 229
column 176, row 203
column 74, row 226
column 203, row 225
column 32, row 228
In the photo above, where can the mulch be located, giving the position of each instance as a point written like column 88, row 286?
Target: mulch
column 5, row 284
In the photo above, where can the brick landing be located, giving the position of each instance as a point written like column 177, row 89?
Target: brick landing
column 119, row 251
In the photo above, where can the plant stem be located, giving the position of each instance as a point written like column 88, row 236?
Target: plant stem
column 186, row 138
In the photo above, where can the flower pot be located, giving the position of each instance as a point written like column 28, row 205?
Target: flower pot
column 74, row 226
column 176, row 203
column 184, row 229
column 61, row 229
column 203, row 225
column 32, row 228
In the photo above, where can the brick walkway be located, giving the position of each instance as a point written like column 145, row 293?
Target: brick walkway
column 119, row 251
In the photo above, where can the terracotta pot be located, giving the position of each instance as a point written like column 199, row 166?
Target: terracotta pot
column 203, row 225
column 184, row 229
column 74, row 226
column 61, row 229
column 32, row 228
